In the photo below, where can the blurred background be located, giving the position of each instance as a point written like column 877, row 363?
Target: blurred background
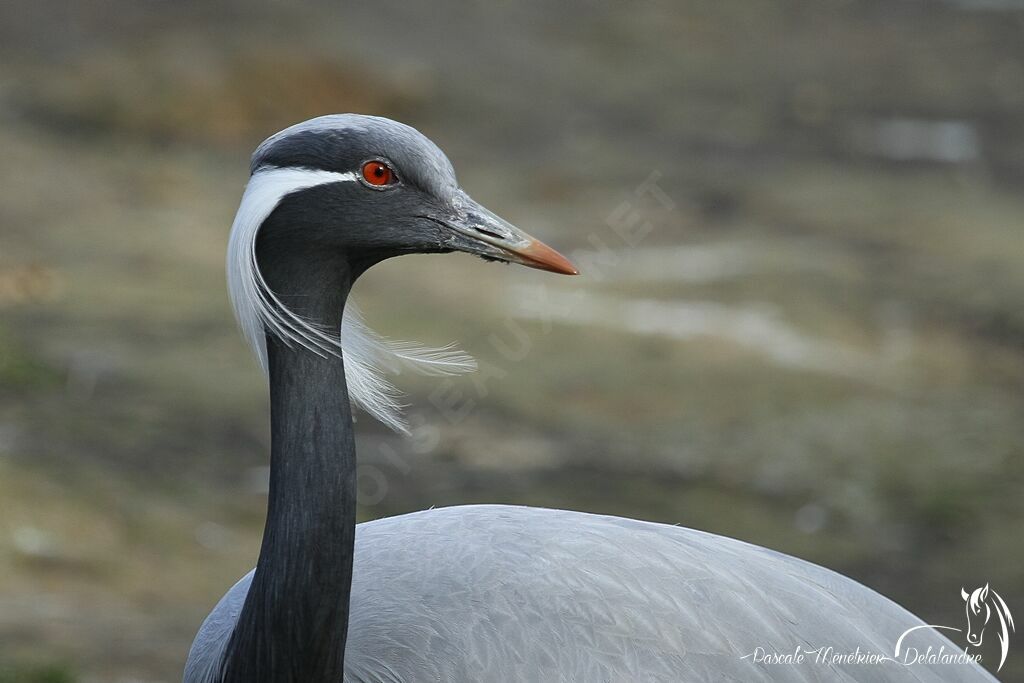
column 799, row 323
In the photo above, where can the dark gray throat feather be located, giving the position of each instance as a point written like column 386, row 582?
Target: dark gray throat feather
column 293, row 625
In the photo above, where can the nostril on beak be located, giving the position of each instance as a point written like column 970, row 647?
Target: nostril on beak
column 489, row 233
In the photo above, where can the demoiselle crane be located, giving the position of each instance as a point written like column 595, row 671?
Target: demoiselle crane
column 476, row 593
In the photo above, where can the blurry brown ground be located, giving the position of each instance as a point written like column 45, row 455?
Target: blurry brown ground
column 818, row 349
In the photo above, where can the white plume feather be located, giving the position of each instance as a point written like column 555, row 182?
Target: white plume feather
column 258, row 310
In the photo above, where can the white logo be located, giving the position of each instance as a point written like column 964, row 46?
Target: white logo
column 981, row 605
column 985, row 609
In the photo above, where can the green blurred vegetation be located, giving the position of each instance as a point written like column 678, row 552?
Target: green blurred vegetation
column 42, row 673
column 20, row 370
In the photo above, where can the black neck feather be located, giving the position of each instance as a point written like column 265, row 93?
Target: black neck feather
column 293, row 625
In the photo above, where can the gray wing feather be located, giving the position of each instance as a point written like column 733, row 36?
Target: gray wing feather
column 500, row 593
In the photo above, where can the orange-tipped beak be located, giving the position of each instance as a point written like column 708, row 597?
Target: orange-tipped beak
column 476, row 230
column 539, row 255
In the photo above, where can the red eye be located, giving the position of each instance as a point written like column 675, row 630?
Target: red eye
column 377, row 173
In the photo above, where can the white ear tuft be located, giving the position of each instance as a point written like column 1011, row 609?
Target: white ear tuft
column 258, row 310
column 394, row 356
column 368, row 356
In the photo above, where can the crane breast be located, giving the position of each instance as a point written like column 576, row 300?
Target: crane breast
column 501, row 593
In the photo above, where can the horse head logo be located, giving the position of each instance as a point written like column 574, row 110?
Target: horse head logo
column 981, row 605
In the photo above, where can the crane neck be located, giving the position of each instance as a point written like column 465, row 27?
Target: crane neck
column 293, row 624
